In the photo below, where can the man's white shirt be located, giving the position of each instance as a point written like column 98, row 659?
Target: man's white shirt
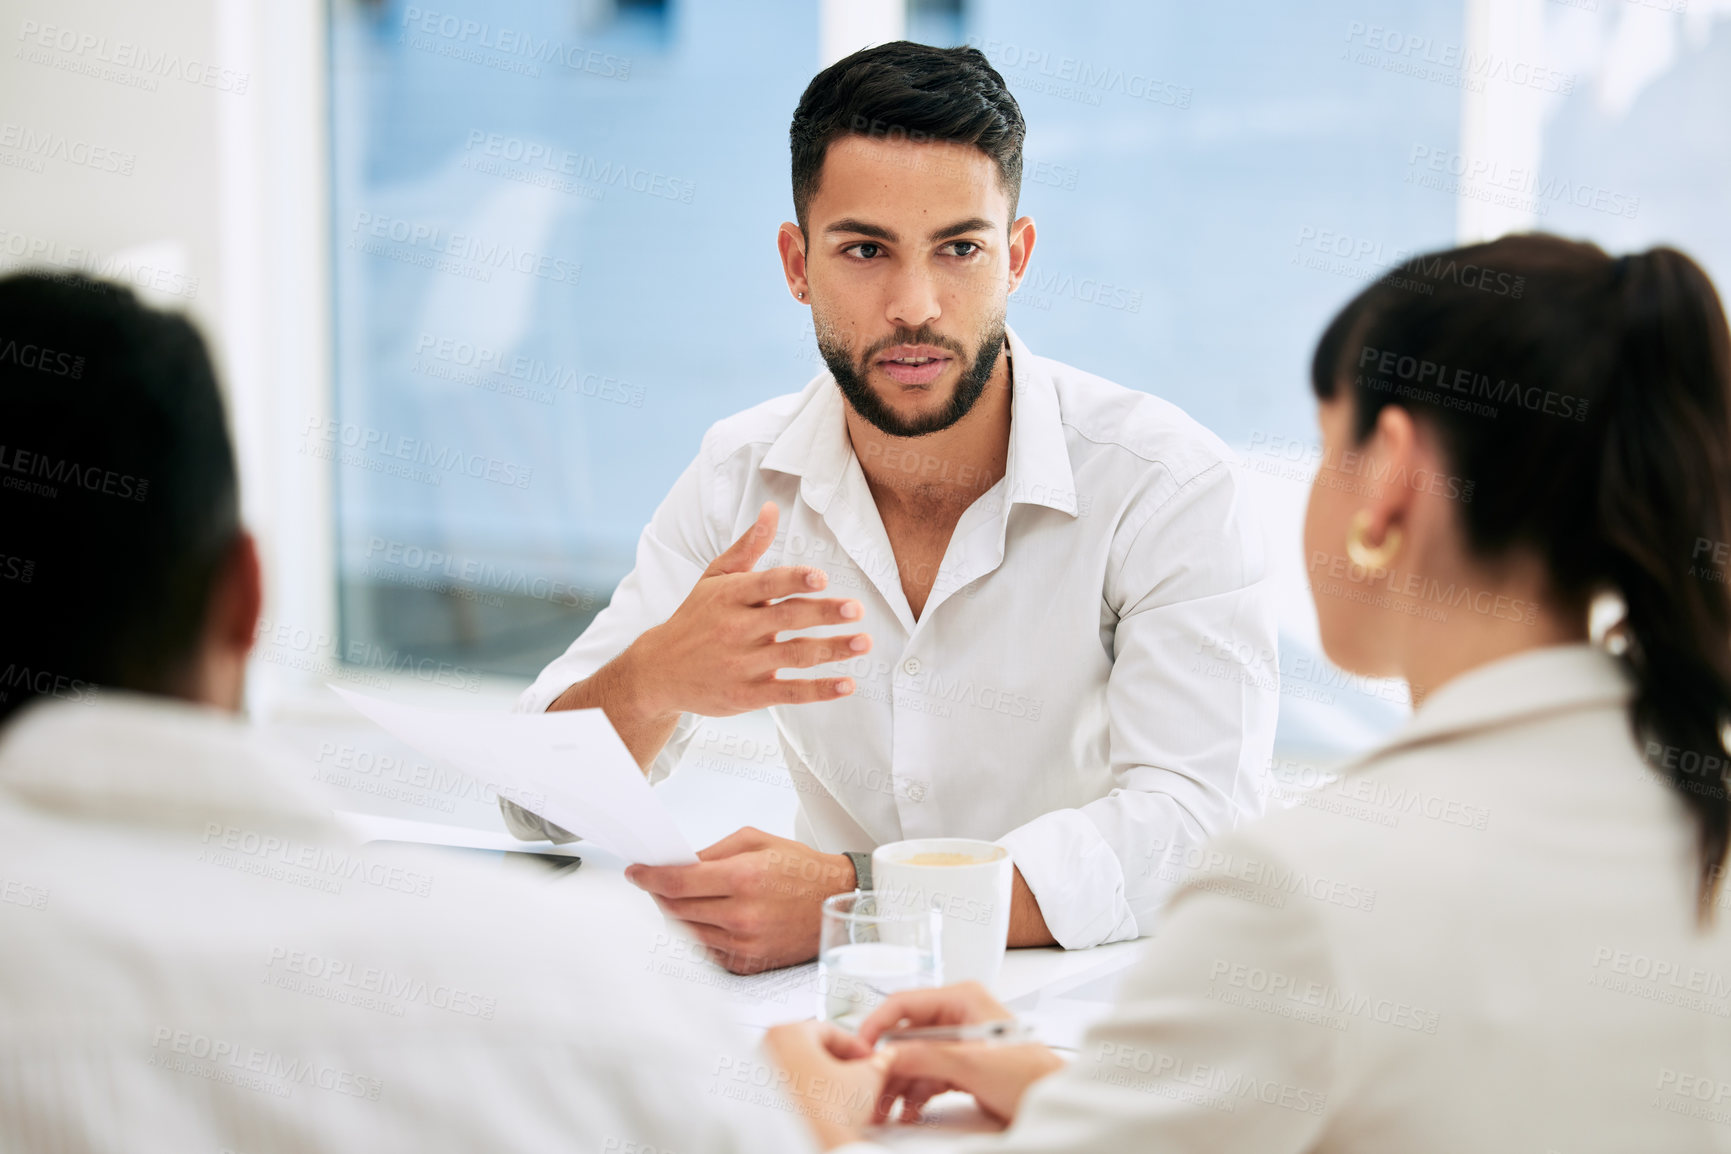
column 198, row 959
column 1059, row 693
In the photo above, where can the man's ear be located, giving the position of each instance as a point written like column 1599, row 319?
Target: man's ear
column 790, row 242
column 1021, row 249
column 218, row 672
column 237, row 601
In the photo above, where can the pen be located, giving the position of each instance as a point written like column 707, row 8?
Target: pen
column 1001, row 1032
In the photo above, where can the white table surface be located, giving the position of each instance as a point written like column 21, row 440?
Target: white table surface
column 727, row 781
column 1059, row 992
column 1030, row 977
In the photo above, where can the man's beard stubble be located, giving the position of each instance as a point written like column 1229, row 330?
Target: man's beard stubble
column 850, row 375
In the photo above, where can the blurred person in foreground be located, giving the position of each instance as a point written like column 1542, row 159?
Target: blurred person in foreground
column 1016, row 563
column 195, row 957
column 1546, row 965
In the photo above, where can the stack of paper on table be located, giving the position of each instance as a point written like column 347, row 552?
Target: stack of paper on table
column 373, row 828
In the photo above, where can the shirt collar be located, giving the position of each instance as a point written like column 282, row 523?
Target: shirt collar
column 1039, row 471
column 815, row 445
column 146, row 760
column 1533, row 683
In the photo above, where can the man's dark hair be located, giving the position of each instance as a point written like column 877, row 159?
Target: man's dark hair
column 118, row 500
column 907, row 91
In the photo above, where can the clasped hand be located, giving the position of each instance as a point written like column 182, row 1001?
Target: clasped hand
column 817, row 1053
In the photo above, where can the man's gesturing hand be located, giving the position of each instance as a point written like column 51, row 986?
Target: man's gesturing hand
column 718, row 654
column 753, row 898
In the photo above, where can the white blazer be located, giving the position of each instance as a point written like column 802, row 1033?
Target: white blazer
column 1480, row 938
column 194, row 958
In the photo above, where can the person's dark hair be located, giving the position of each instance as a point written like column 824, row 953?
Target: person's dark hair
column 907, row 91
column 1588, row 401
column 118, row 500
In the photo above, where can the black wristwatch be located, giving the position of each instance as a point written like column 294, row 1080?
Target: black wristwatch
column 862, row 869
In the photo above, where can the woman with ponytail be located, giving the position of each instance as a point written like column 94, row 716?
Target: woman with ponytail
column 1601, row 469
column 1504, row 929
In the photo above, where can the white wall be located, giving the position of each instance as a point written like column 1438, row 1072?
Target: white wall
column 180, row 147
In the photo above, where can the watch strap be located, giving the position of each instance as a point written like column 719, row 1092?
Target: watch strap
column 862, row 869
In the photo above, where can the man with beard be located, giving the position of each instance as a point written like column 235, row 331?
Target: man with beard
column 1014, row 580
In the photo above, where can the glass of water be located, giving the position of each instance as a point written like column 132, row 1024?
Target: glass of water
column 869, row 951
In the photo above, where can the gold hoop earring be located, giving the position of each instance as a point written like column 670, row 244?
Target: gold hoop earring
column 1363, row 554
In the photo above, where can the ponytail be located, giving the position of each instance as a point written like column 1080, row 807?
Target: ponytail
column 1619, row 479
column 1663, row 496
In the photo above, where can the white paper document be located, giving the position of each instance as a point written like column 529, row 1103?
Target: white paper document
column 569, row 767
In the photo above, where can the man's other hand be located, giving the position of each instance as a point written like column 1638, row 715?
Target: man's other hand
column 754, row 899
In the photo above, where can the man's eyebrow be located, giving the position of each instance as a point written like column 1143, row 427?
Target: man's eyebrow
column 861, row 228
column 972, row 224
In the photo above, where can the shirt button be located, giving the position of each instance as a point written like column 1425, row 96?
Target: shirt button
column 911, row 667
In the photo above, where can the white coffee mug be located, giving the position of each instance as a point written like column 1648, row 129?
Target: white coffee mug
column 968, row 881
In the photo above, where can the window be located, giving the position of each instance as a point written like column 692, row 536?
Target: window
column 552, row 274
column 554, row 227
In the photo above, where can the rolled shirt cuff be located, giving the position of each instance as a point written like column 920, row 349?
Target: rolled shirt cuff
column 1076, row 876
